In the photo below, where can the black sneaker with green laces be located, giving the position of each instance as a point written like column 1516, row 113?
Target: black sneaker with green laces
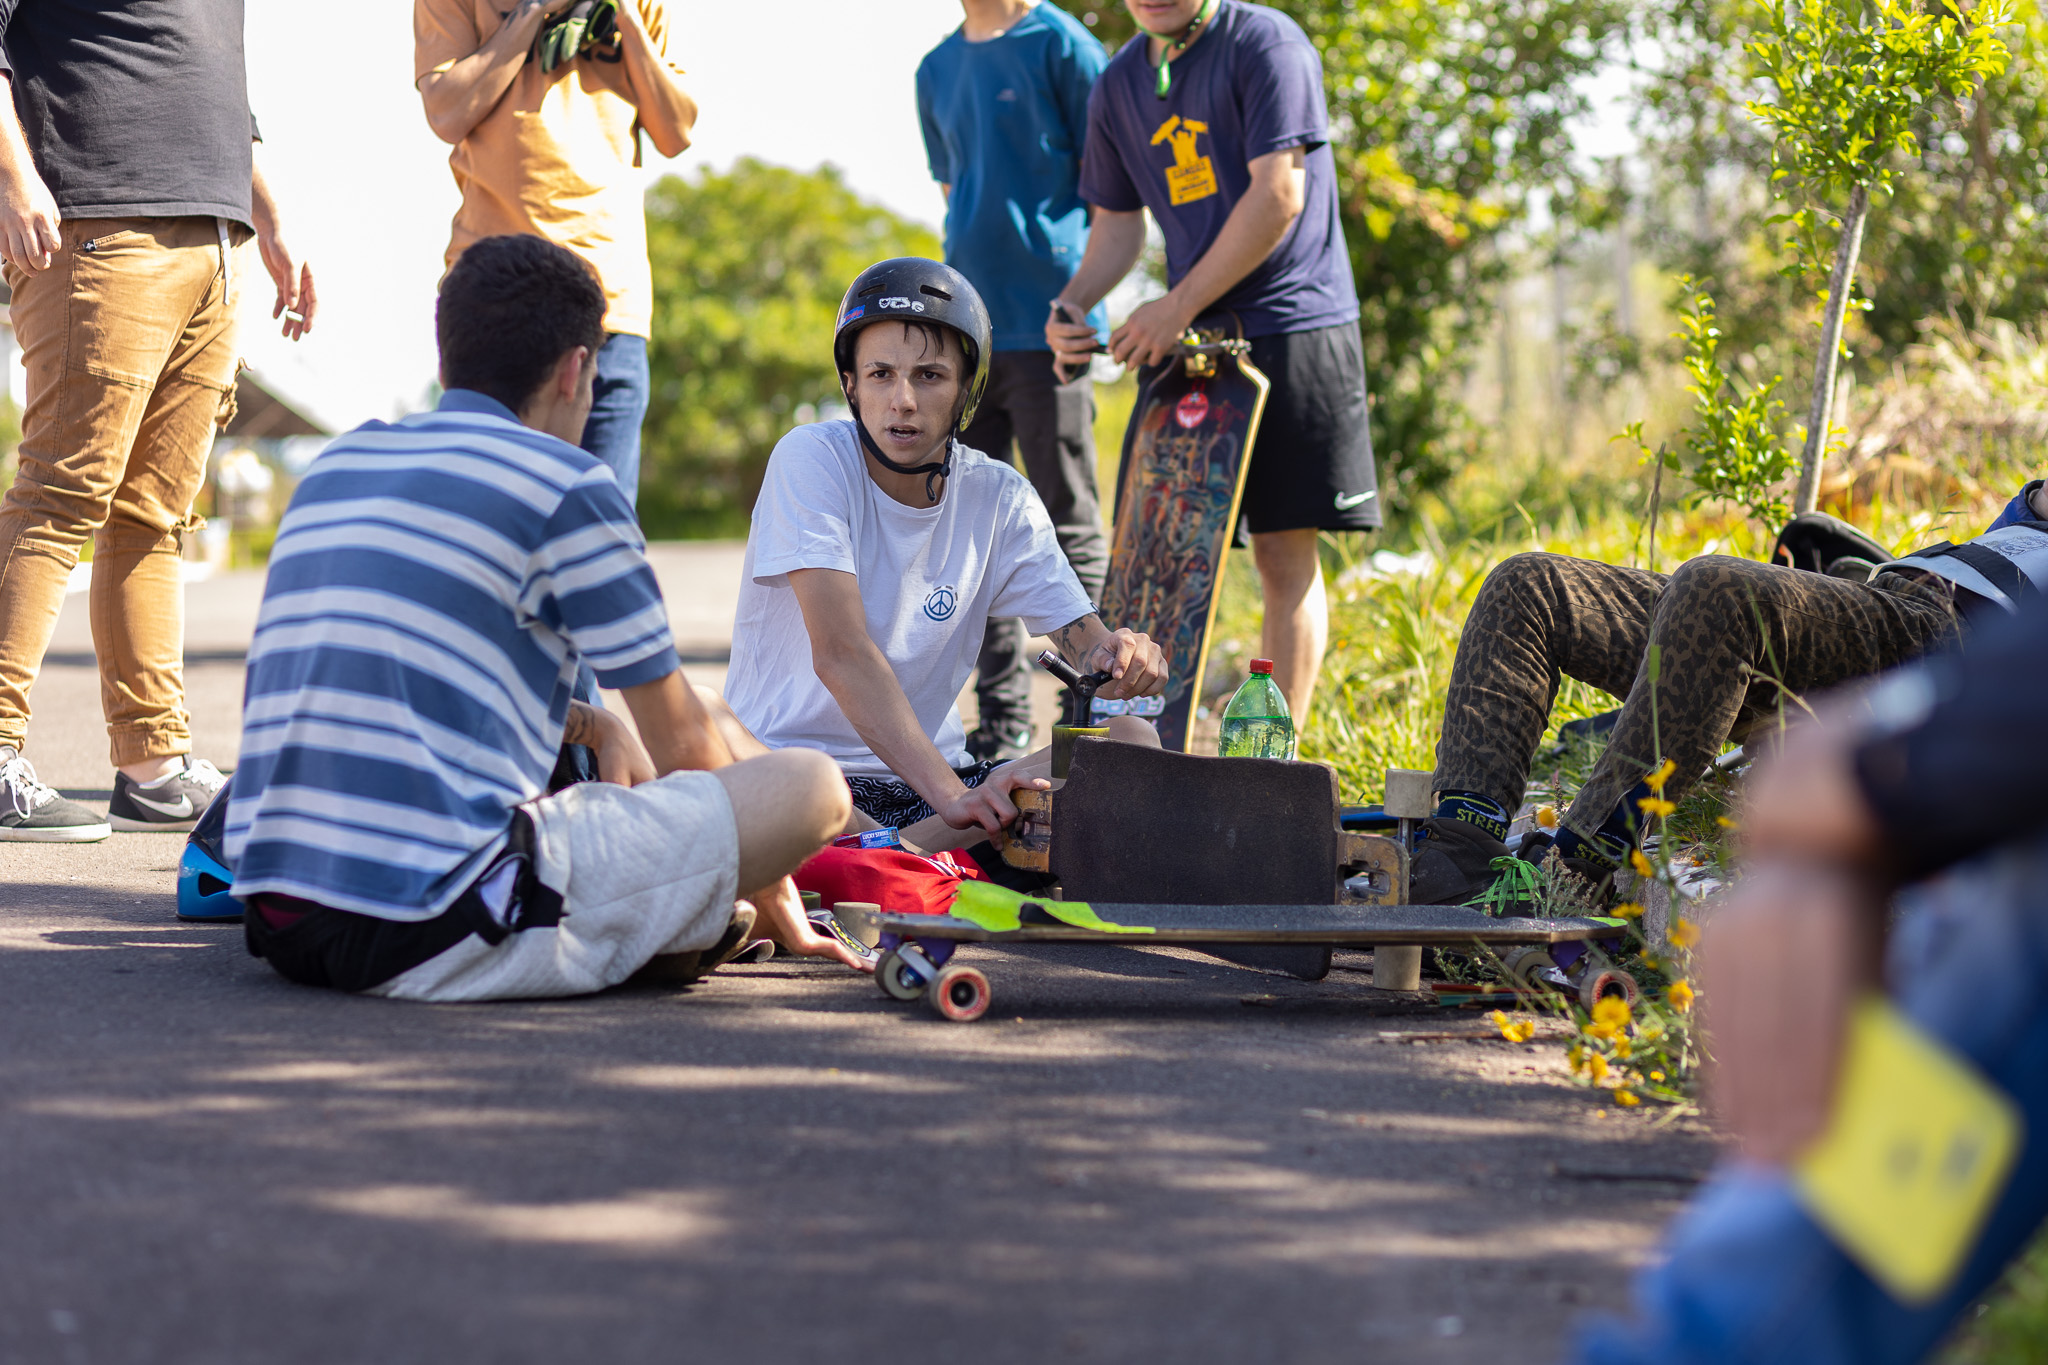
column 32, row 813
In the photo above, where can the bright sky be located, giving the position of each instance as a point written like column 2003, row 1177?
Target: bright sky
column 369, row 197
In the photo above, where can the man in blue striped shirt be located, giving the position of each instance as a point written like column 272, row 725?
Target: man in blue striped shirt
column 435, row 586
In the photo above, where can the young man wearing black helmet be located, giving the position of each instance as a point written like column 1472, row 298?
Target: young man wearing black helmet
column 880, row 549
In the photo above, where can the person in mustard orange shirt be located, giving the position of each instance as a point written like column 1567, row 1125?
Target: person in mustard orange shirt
column 545, row 103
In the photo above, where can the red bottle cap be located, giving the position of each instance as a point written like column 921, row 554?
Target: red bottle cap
column 1262, row 665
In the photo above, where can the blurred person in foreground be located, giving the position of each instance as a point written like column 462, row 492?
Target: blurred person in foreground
column 129, row 195
column 546, row 103
column 436, row 587
column 1004, row 105
column 1929, row 784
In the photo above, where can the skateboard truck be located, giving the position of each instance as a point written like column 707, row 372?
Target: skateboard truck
column 1079, row 700
column 1199, row 349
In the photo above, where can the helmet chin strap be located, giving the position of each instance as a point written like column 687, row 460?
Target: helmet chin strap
column 932, row 471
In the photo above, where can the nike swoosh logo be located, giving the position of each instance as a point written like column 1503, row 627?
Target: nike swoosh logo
column 175, row 810
column 1347, row 501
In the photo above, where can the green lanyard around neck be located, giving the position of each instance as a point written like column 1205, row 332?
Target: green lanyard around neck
column 1175, row 46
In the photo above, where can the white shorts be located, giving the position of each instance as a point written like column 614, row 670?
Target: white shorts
column 641, row 871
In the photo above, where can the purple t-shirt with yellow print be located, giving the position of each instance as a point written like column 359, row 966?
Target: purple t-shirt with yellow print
column 1251, row 85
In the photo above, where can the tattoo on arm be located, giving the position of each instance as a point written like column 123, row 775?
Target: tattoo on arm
column 1071, row 638
column 1067, row 640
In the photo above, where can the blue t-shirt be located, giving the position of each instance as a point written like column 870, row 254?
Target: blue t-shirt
column 1003, row 122
column 434, row 585
column 1250, row 86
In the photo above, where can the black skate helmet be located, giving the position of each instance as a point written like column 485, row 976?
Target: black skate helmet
column 913, row 289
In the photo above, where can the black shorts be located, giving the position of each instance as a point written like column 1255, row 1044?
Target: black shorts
column 1312, row 466
column 893, row 803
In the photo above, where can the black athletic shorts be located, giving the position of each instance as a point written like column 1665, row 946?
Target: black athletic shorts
column 1312, row 466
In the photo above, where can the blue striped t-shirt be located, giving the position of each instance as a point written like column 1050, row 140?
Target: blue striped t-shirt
column 434, row 584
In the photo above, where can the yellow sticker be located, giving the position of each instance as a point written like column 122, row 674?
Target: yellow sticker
column 1918, row 1148
column 1190, row 177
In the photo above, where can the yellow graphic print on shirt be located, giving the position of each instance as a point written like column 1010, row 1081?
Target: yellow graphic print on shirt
column 1190, row 177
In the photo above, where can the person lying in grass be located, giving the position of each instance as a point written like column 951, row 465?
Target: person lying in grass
column 1736, row 641
column 880, row 549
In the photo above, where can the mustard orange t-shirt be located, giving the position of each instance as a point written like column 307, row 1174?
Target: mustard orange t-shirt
column 556, row 156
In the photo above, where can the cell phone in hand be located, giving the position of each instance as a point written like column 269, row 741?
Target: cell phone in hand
column 1062, row 313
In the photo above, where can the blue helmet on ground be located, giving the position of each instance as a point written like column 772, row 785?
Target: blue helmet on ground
column 203, row 872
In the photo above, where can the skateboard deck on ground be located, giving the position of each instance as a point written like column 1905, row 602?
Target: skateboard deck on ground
column 1184, row 460
column 1339, row 926
column 917, row 951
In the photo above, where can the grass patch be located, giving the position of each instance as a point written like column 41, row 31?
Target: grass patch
column 2010, row 1327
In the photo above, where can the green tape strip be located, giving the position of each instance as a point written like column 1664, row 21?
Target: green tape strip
column 1001, row 910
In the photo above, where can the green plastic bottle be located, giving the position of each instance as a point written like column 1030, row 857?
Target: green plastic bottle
column 1256, row 723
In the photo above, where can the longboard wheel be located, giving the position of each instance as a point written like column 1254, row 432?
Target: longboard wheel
column 1526, row 968
column 960, row 994
column 896, row 978
column 1600, row 982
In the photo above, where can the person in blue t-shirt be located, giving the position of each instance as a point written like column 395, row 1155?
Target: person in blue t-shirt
column 1213, row 118
column 1004, row 104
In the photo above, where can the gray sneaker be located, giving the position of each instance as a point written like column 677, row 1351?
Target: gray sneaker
column 32, row 813
column 169, row 805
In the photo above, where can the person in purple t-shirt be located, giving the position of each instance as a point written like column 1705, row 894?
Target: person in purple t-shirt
column 1213, row 118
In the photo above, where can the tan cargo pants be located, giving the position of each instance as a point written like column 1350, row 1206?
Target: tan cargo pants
column 129, row 340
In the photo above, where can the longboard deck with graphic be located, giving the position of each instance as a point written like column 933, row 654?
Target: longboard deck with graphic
column 1185, row 454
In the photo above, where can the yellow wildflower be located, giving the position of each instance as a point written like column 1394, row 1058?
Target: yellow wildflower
column 1656, row 780
column 1596, row 1067
column 1656, row 806
column 1683, row 933
column 1656, row 1075
column 1521, row 1032
column 1626, row 1099
column 1680, row 996
column 1612, row 1011
column 1725, row 823
column 1546, row 816
column 1622, row 1047
column 1627, row 910
column 1641, row 864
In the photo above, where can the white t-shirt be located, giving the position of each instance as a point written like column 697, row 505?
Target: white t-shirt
column 930, row 579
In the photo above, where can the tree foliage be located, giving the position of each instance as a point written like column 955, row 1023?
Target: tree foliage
column 1961, row 233
column 1824, row 102
column 1734, row 442
column 749, row 266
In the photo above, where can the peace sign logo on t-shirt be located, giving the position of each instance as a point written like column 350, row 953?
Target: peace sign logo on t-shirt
column 941, row 604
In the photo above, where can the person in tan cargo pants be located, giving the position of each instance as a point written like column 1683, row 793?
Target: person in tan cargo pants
column 129, row 196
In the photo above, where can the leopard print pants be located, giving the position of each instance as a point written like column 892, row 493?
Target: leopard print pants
column 1736, row 638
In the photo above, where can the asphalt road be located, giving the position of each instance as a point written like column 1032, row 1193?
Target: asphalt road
column 1140, row 1155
